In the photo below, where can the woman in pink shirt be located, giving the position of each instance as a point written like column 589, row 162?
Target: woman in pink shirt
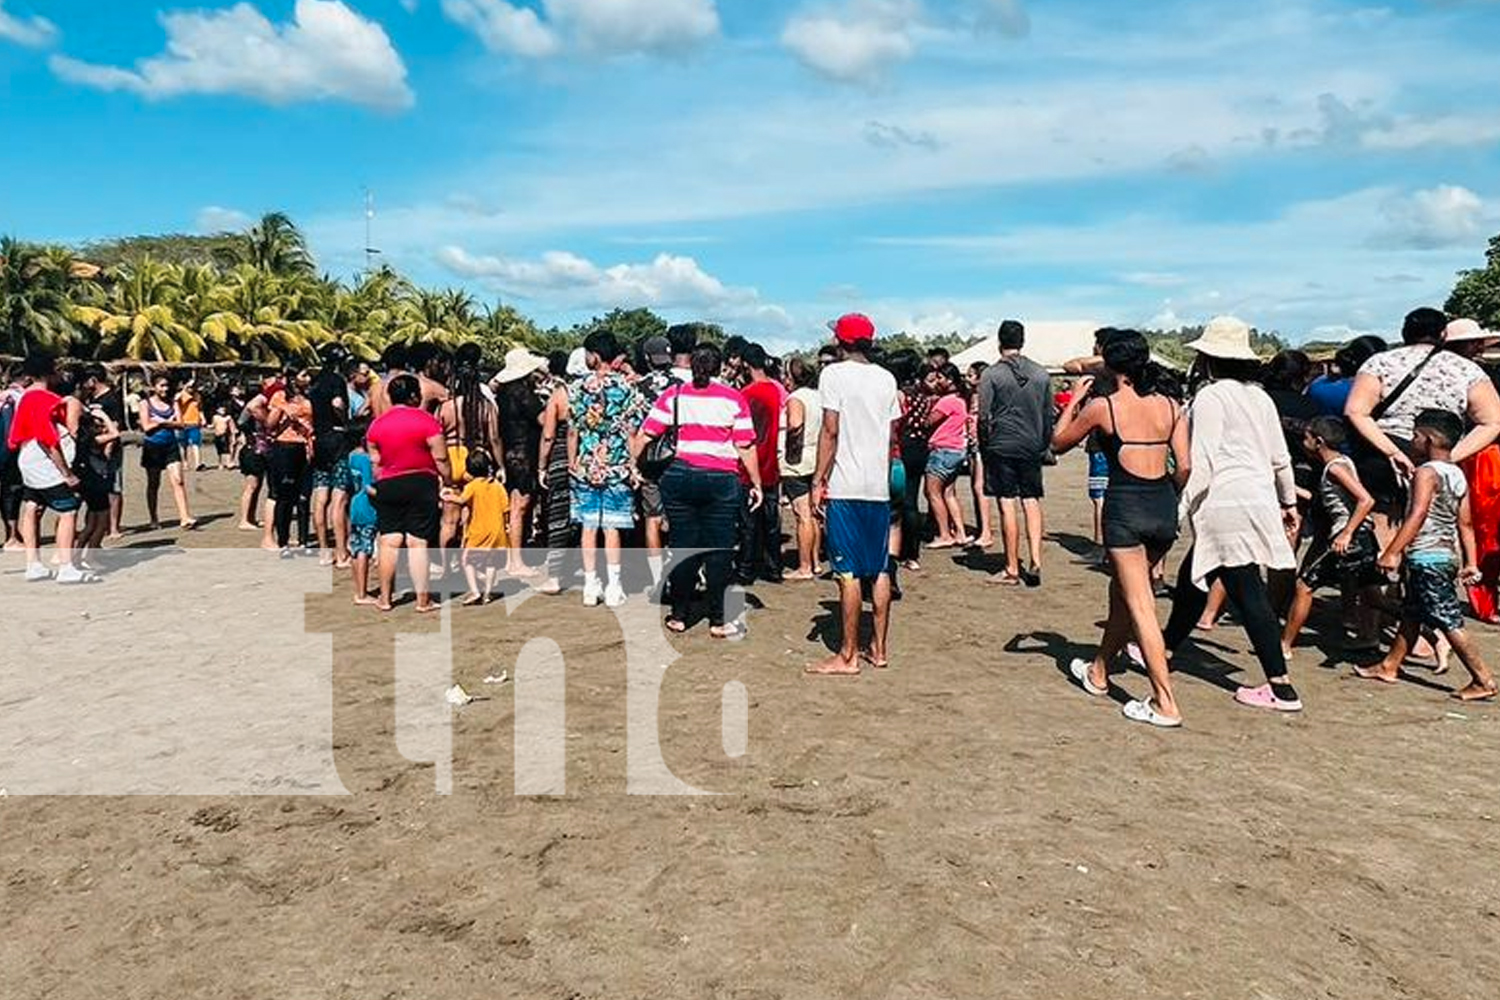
column 701, row 489
column 948, row 444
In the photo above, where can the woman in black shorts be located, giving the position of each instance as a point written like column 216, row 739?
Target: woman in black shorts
column 1138, row 432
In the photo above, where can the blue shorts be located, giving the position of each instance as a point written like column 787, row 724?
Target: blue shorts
column 362, row 539
column 337, row 478
column 1431, row 594
column 190, row 436
column 944, row 465
column 1098, row 475
column 859, row 538
column 611, row 506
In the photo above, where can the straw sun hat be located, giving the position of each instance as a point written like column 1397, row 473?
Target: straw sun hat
column 1466, row 330
column 519, row 363
column 1227, row 338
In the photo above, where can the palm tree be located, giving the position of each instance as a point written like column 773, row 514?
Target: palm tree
column 139, row 318
column 276, row 245
column 256, row 317
column 35, row 298
column 446, row 318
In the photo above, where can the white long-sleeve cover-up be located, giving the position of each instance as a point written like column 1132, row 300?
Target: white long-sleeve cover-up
column 1241, row 478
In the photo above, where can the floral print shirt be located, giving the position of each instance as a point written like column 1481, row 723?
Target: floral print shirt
column 605, row 410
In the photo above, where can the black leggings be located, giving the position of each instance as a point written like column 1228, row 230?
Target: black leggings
column 288, row 467
column 1252, row 605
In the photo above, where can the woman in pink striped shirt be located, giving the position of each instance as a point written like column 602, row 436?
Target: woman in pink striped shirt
column 701, row 490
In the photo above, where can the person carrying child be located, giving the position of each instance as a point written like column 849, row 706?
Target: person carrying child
column 487, row 504
column 1435, row 551
column 1343, row 550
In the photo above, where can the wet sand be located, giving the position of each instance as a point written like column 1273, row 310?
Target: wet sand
column 966, row 824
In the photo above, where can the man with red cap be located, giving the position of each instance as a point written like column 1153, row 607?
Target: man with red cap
column 852, row 487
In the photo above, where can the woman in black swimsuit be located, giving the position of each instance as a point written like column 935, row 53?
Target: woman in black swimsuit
column 1138, row 431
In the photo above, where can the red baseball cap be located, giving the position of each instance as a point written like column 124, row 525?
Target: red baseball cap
column 852, row 328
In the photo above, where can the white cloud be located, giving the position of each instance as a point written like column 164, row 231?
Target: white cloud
column 663, row 27
column 601, row 27
column 857, row 44
column 326, row 52
column 33, row 32
column 503, row 27
column 563, row 280
column 1443, row 216
column 410, row 6
column 216, row 219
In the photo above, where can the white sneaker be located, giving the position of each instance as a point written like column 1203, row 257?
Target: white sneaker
column 37, row 572
column 593, row 592
column 72, row 574
column 614, row 596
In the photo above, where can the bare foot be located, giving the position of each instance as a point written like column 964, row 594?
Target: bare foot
column 111, row 537
column 270, row 547
column 984, row 542
column 523, row 573
column 1206, row 626
column 799, row 576
column 429, row 609
column 368, row 602
column 244, row 526
column 344, row 564
column 834, row 666
column 1477, row 692
column 1380, row 673
column 384, row 608
column 881, row 662
column 471, row 599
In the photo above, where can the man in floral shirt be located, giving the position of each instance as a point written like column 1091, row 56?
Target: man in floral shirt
column 606, row 412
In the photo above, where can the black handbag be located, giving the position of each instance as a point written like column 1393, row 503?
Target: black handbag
column 661, row 452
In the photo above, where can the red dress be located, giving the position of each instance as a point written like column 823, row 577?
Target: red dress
column 1483, row 472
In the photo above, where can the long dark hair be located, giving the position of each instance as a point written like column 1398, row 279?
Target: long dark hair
column 473, row 427
column 708, row 362
column 1127, row 354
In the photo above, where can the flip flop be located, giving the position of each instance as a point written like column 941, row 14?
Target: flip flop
column 733, row 632
column 675, row 625
column 1003, row 580
column 1080, row 671
column 866, row 656
column 1145, row 712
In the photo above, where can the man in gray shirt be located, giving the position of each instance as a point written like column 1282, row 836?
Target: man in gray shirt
column 1015, row 430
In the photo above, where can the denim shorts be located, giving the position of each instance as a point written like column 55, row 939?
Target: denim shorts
column 610, row 506
column 190, row 436
column 945, row 466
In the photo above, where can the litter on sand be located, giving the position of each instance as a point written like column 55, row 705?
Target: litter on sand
column 503, row 677
column 458, row 697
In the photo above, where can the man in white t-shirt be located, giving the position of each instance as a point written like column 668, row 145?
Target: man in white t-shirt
column 853, row 485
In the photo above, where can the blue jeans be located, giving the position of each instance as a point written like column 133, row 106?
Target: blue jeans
column 702, row 512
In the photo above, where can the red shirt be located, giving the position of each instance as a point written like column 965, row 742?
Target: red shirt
column 765, row 400
column 401, row 435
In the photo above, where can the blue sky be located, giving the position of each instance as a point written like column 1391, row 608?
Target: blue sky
column 1314, row 166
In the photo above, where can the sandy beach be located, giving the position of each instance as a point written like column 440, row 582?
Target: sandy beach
column 966, row 824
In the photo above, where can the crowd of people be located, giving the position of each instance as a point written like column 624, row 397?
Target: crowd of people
column 1379, row 466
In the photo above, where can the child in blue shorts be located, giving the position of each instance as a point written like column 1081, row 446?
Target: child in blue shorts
column 362, row 521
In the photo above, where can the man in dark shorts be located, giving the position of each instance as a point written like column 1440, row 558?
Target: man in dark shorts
column 658, row 356
column 100, row 392
column 329, row 396
column 410, row 456
column 1015, row 429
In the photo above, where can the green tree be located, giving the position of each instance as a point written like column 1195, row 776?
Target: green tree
column 37, row 291
column 1477, row 294
column 258, row 317
column 139, row 318
column 275, row 244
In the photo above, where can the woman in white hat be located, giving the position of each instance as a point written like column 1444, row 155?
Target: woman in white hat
column 521, row 432
column 1242, row 502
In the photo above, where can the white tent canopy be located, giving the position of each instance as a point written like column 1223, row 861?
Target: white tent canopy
column 1048, row 344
